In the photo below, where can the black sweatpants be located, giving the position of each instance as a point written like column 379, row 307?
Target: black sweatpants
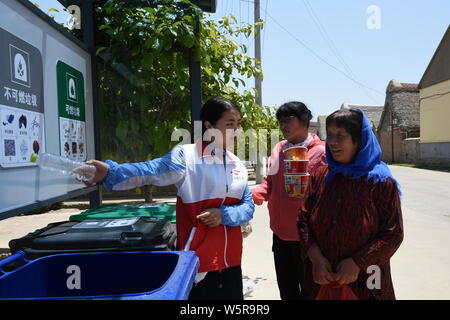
column 289, row 269
column 225, row 284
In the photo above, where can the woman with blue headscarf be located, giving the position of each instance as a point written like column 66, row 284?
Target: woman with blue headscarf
column 351, row 223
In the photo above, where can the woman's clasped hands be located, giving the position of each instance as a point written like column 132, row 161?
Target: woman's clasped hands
column 322, row 271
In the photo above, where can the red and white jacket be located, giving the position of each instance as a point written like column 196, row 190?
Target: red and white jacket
column 205, row 178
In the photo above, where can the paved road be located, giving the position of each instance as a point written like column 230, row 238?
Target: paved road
column 257, row 258
column 421, row 267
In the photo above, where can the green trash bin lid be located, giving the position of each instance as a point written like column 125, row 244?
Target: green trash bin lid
column 161, row 210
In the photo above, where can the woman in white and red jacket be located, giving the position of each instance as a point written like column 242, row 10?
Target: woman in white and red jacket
column 294, row 118
column 213, row 198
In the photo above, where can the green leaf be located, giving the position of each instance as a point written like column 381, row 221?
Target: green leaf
column 100, row 50
column 122, row 130
column 157, row 45
column 187, row 38
column 134, row 126
column 173, row 32
column 148, row 61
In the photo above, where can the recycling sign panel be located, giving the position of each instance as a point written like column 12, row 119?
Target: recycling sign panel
column 21, row 101
column 71, row 110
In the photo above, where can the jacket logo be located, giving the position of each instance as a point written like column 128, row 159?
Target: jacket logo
column 237, row 175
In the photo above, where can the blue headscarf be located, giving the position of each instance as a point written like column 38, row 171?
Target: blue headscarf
column 367, row 162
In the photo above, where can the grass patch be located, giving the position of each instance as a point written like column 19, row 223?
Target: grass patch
column 423, row 166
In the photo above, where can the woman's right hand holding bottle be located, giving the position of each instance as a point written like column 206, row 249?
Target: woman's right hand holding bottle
column 100, row 173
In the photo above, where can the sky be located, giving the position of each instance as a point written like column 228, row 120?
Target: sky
column 327, row 52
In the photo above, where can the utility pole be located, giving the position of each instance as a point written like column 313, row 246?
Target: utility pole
column 258, row 53
column 88, row 27
column 261, row 158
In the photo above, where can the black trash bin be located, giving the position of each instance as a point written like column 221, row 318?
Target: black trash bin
column 106, row 235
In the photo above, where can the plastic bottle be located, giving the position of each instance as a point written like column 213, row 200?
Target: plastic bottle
column 77, row 169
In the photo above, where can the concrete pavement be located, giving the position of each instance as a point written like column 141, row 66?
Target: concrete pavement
column 420, row 268
column 257, row 258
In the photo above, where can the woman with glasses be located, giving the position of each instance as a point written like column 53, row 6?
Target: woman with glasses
column 294, row 118
column 351, row 222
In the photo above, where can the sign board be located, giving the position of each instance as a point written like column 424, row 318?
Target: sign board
column 71, row 111
column 45, row 106
column 21, row 101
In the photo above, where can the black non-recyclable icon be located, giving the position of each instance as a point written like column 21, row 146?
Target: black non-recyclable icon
column 23, row 122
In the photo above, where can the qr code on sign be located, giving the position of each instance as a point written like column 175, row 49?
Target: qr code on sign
column 10, row 148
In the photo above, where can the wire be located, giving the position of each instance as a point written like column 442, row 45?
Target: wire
column 302, row 43
column 325, row 35
column 316, row 54
column 315, row 18
column 319, row 57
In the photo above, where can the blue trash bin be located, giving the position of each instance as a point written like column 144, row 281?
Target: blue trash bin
column 155, row 275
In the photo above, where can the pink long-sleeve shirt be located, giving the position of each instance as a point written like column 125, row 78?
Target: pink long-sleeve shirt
column 283, row 210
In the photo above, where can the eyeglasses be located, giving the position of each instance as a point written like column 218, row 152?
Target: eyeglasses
column 337, row 138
